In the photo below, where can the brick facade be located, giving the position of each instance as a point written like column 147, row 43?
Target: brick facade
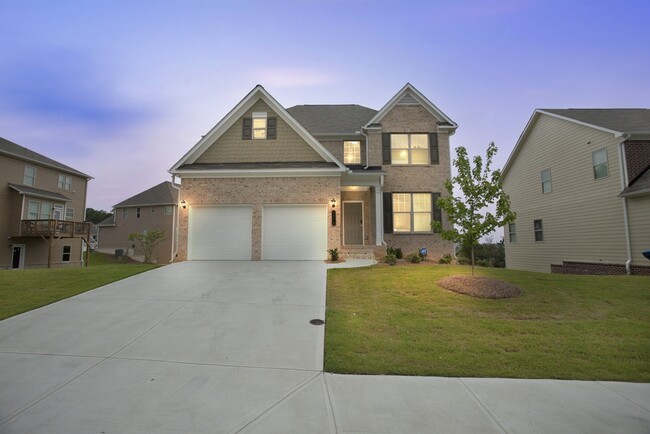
column 258, row 192
column 637, row 157
column 600, row 269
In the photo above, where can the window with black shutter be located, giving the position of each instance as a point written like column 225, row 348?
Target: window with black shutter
column 433, row 148
column 385, row 148
column 247, row 129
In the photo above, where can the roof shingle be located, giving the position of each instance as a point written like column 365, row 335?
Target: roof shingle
column 10, row 148
column 622, row 120
column 161, row 194
column 343, row 119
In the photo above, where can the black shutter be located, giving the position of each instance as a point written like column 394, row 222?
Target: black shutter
column 433, row 148
column 388, row 213
column 385, row 148
column 271, row 128
column 247, row 129
column 436, row 212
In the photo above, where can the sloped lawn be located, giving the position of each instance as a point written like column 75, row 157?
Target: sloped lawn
column 24, row 290
column 397, row 320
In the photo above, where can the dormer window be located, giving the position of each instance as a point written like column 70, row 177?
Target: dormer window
column 352, row 152
column 259, row 125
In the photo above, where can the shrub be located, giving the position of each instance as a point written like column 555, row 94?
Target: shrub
column 463, row 260
column 334, row 254
column 390, row 259
column 395, row 251
column 415, row 258
column 483, row 263
column 446, row 259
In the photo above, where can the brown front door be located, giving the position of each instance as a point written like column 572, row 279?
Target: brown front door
column 352, row 223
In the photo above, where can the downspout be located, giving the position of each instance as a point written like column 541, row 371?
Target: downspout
column 623, row 170
column 367, row 154
column 175, row 223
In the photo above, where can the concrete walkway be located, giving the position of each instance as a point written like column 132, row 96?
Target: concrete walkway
column 208, row 347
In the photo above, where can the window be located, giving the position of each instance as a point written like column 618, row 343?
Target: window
column 599, row 160
column 409, row 149
column 46, row 211
column 69, row 213
column 32, row 210
column 259, row 125
column 66, row 254
column 512, row 233
column 125, row 213
column 137, row 213
column 153, row 209
column 412, row 212
column 352, row 152
column 539, row 232
column 29, row 177
column 168, row 209
column 547, row 187
column 65, row 182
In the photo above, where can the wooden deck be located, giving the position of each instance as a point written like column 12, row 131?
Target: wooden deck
column 54, row 228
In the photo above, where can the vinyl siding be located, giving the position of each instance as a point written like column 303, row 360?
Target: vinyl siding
column 638, row 209
column 582, row 217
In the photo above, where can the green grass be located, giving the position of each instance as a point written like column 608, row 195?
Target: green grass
column 396, row 320
column 24, row 290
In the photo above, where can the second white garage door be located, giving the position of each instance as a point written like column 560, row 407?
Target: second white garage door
column 294, row 232
column 220, row 232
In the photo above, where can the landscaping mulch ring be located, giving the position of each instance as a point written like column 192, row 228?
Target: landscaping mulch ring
column 479, row 286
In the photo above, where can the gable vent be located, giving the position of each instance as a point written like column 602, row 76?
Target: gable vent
column 408, row 100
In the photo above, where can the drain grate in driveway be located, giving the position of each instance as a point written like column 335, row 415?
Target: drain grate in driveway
column 316, row 322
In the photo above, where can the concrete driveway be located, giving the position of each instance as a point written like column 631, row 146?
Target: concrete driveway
column 208, row 347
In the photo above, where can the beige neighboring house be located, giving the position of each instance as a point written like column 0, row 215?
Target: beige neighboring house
column 153, row 209
column 269, row 183
column 42, row 210
column 579, row 181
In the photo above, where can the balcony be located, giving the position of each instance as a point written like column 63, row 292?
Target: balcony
column 54, row 228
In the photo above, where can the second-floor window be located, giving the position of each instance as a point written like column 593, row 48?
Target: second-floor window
column 352, row 152
column 547, row 187
column 409, row 149
column 69, row 213
column 599, row 161
column 29, row 178
column 137, row 213
column 125, row 213
column 46, row 211
column 65, row 182
column 32, row 210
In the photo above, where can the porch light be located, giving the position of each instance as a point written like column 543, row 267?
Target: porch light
column 183, row 204
column 333, row 203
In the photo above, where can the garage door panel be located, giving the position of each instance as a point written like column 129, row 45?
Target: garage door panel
column 220, row 232
column 294, row 232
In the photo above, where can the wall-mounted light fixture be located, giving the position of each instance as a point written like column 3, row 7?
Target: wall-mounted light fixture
column 333, row 203
column 183, row 204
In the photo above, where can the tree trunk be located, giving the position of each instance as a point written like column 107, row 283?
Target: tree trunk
column 472, row 259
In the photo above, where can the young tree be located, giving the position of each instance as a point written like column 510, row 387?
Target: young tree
column 148, row 241
column 481, row 188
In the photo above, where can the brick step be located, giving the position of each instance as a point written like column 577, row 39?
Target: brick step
column 363, row 252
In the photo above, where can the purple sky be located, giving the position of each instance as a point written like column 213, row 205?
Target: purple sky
column 121, row 90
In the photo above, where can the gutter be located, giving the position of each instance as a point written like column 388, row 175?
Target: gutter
column 175, row 223
column 367, row 155
column 626, row 223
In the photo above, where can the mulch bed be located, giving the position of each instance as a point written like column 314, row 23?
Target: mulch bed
column 479, row 286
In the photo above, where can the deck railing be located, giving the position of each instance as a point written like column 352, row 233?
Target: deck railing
column 57, row 228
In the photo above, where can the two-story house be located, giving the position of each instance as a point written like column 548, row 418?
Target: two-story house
column 42, row 209
column 271, row 183
column 153, row 209
column 579, row 181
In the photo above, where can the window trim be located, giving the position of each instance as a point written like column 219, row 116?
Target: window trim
column 539, row 231
column 548, row 181
column 512, row 233
column 33, row 177
column 65, row 182
column 409, row 149
column 412, row 213
column 357, row 153
column 606, row 163
column 68, row 253
column 69, row 213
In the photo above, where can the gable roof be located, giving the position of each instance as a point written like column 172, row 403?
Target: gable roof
column 108, row 221
column 222, row 126
column 341, row 119
column 619, row 122
column 411, row 96
column 20, row 152
column 162, row 194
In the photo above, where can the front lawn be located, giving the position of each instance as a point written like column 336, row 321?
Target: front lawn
column 24, row 290
column 396, row 320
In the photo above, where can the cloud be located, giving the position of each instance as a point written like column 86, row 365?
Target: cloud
column 283, row 76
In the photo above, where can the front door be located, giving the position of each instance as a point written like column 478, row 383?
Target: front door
column 17, row 256
column 352, row 223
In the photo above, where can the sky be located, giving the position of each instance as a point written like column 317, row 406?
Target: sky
column 121, row 90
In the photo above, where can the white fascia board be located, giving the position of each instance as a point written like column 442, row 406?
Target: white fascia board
column 257, row 93
column 408, row 88
column 258, row 173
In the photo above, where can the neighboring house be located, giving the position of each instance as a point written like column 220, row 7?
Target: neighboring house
column 579, row 181
column 273, row 183
column 153, row 209
column 42, row 208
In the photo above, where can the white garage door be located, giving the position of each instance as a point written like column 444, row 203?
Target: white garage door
column 220, row 232
column 294, row 232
